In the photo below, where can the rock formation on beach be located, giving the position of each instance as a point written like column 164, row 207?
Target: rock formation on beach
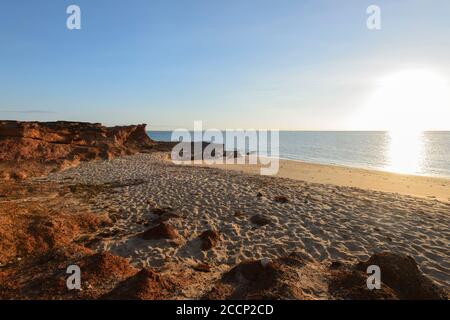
column 57, row 141
column 298, row 277
column 36, row 148
column 39, row 144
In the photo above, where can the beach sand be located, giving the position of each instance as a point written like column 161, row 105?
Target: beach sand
column 412, row 185
column 329, row 216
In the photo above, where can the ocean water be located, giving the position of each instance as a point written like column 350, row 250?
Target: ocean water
column 419, row 153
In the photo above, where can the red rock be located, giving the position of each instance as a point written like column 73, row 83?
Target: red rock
column 209, row 239
column 401, row 273
column 147, row 284
column 102, row 266
column 59, row 141
column 351, row 285
column 275, row 280
column 161, row 231
column 297, row 276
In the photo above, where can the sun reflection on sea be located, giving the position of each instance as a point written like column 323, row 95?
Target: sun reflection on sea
column 405, row 152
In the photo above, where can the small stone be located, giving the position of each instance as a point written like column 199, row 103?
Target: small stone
column 281, row 199
column 202, row 267
column 260, row 220
column 209, row 239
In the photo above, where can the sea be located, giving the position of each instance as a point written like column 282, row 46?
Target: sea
column 417, row 153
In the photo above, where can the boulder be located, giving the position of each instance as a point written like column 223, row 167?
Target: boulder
column 401, row 273
column 209, row 239
column 147, row 284
column 281, row 199
column 260, row 279
column 161, row 231
column 260, row 220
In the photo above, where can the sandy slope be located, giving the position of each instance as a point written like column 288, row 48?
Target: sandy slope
column 323, row 221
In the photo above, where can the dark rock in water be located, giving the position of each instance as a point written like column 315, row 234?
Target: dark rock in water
column 260, row 220
column 161, row 231
column 189, row 151
column 281, row 199
column 209, row 239
column 401, row 273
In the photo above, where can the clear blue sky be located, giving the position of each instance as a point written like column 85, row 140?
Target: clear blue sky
column 236, row 63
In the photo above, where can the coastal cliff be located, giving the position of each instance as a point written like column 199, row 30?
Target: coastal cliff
column 37, row 146
column 56, row 141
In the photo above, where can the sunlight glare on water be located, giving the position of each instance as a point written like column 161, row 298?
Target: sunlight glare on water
column 405, row 152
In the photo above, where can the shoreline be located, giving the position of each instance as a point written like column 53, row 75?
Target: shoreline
column 426, row 175
column 429, row 187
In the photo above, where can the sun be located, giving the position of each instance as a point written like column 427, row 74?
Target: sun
column 409, row 100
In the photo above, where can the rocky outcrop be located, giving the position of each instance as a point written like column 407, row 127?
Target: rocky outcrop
column 401, row 273
column 161, row 231
column 69, row 141
column 281, row 199
column 260, row 220
column 298, row 277
column 262, row 280
column 147, row 284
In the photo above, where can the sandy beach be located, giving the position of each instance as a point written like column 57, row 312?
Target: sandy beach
column 412, row 185
column 325, row 212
